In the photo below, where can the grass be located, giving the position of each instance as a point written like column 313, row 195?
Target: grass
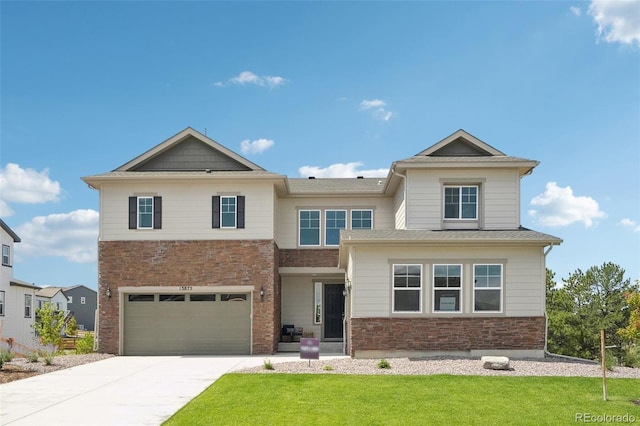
column 296, row 399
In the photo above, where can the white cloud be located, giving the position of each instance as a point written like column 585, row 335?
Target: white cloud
column 377, row 108
column 341, row 170
column 73, row 236
column 247, row 77
column 617, row 20
column 575, row 10
column 558, row 206
column 257, row 146
column 631, row 224
column 26, row 186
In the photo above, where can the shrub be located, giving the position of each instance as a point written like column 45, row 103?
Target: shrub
column 6, row 355
column 384, row 364
column 268, row 365
column 328, row 368
column 33, row 357
column 85, row 344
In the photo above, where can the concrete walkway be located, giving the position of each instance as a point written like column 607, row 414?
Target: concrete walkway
column 122, row 390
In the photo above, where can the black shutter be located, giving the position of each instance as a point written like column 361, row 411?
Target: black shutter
column 240, row 222
column 215, row 200
column 133, row 212
column 157, row 212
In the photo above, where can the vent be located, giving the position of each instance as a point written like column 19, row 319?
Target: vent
column 312, row 177
column 360, row 177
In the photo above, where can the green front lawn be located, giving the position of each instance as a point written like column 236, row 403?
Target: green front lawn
column 307, row 399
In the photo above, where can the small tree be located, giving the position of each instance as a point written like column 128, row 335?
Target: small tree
column 632, row 331
column 49, row 324
column 72, row 328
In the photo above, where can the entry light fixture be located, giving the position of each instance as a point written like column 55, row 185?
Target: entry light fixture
column 108, row 292
column 261, row 293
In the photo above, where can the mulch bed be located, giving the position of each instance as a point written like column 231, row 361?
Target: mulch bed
column 9, row 373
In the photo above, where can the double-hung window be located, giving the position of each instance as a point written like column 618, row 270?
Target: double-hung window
column 334, row 221
column 6, row 255
column 460, row 202
column 228, row 211
column 487, row 288
column 309, row 223
column 447, row 288
column 407, row 288
column 145, row 212
column 27, row 305
column 361, row 219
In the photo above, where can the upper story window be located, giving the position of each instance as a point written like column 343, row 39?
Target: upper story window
column 460, row 202
column 335, row 220
column 407, row 288
column 82, row 300
column 447, row 288
column 69, row 299
column 6, row 255
column 145, row 212
column 228, row 211
column 27, row 305
column 361, row 219
column 309, row 232
column 487, row 288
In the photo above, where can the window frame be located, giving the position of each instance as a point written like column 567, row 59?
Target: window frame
column 69, row 299
column 460, row 288
column 28, row 306
column 319, row 229
column 2, row 302
column 460, row 188
column 7, row 255
column 139, row 213
column 351, row 218
column 499, row 289
column 419, row 289
column 317, row 303
column 326, row 228
column 228, row 214
column 83, row 300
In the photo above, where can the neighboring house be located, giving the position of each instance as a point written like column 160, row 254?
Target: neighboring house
column 202, row 251
column 82, row 302
column 53, row 295
column 17, row 298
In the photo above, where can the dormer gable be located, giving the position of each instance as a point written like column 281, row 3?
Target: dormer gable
column 461, row 144
column 189, row 150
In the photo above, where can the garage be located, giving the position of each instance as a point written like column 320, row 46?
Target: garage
column 187, row 324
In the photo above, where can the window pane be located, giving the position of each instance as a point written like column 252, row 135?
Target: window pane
column 145, row 212
column 172, row 297
column 487, row 300
column 202, row 297
column 361, row 219
column 309, row 228
column 335, row 221
column 447, row 300
column 232, row 297
column 228, row 212
column 141, row 297
column 406, row 301
column 495, row 270
column 481, row 281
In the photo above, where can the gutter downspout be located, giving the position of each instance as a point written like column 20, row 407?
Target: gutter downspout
column 404, row 194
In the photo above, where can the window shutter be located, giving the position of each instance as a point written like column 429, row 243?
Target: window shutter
column 216, row 211
column 133, row 212
column 240, row 206
column 157, row 212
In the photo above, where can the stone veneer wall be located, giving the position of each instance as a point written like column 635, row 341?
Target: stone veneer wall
column 190, row 263
column 446, row 334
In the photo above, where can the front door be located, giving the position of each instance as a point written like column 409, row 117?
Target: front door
column 333, row 311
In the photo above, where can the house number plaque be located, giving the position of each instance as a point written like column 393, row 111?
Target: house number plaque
column 185, row 288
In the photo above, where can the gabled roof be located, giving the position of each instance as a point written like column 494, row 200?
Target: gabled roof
column 77, row 287
column 9, row 231
column 49, row 292
column 460, row 143
column 20, row 283
column 211, row 155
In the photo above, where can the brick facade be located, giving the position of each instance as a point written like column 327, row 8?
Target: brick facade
column 190, row 263
column 301, row 258
column 446, row 334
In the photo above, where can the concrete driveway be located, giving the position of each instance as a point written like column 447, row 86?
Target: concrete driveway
column 117, row 391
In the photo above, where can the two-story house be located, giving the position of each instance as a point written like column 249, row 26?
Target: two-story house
column 17, row 299
column 202, row 251
column 82, row 302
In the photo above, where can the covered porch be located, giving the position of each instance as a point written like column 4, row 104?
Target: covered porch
column 313, row 305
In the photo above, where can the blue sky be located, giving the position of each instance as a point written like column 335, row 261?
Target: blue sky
column 322, row 88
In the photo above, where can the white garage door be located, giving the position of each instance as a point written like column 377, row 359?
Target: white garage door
column 187, row 324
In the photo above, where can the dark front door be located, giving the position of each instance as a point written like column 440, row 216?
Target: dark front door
column 333, row 310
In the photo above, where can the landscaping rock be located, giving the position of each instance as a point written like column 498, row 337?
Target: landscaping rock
column 495, row 362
